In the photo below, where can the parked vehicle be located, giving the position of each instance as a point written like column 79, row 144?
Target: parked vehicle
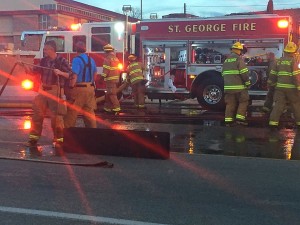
column 183, row 57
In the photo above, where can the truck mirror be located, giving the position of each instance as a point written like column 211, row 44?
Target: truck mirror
column 23, row 42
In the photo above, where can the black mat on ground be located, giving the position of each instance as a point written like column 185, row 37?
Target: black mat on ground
column 127, row 143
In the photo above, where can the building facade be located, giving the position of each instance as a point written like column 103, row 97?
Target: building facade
column 19, row 15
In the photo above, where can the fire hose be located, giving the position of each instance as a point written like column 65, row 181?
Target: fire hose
column 99, row 99
column 18, row 105
column 8, row 78
column 12, row 105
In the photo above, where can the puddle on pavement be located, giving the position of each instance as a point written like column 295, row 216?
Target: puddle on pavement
column 192, row 139
column 20, row 151
column 246, row 142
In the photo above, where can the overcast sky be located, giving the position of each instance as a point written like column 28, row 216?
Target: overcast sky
column 201, row 8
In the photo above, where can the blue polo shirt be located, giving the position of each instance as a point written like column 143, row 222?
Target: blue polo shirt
column 78, row 68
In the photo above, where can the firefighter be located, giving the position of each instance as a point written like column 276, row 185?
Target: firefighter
column 81, row 91
column 269, row 98
column 285, row 78
column 137, row 81
column 111, row 75
column 53, row 71
column 236, row 83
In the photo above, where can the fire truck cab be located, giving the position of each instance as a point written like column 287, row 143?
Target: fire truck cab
column 95, row 35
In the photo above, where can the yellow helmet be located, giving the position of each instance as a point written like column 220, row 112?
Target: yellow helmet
column 132, row 57
column 291, row 47
column 108, row 48
column 237, row 45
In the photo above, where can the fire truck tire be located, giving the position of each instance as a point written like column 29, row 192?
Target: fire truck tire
column 210, row 94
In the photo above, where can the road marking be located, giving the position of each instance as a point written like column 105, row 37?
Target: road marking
column 74, row 216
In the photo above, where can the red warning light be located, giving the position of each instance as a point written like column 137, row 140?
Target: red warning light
column 27, row 124
column 120, row 66
column 27, row 84
column 283, row 24
column 75, row 26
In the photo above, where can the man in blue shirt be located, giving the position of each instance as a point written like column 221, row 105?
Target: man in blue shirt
column 82, row 94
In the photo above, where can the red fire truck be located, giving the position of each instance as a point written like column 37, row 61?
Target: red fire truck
column 183, row 57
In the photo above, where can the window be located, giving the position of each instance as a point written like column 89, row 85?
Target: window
column 98, row 42
column 48, row 7
column 60, row 42
column 44, row 22
column 100, row 30
column 76, row 39
column 100, row 37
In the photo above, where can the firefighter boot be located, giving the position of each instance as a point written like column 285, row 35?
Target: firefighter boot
column 58, row 148
column 241, row 122
column 265, row 109
column 230, row 124
column 31, row 143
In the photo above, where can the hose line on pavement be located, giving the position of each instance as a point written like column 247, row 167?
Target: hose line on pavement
column 103, row 164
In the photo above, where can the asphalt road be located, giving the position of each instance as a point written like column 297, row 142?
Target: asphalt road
column 190, row 188
column 215, row 176
column 184, row 190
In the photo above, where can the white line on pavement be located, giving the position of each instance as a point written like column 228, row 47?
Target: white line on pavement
column 73, row 216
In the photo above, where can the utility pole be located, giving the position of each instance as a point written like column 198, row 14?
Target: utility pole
column 141, row 9
column 270, row 7
column 126, row 10
column 184, row 9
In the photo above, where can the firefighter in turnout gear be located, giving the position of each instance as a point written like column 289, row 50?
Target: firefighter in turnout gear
column 54, row 70
column 111, row 74
column 285, row 77
column 136, row 80
column 270, row 95
column 236, row 82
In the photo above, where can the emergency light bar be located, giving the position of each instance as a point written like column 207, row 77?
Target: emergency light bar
column 75, row 26
column 120, row 28
column 282, row 24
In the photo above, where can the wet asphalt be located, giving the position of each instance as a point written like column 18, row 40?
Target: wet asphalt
column 215, row 175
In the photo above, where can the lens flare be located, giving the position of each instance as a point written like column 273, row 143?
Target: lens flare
column 27, row 124
column 27, row 84
column 120, row 66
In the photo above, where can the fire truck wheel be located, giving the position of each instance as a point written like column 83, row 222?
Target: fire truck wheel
column 211, row 95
